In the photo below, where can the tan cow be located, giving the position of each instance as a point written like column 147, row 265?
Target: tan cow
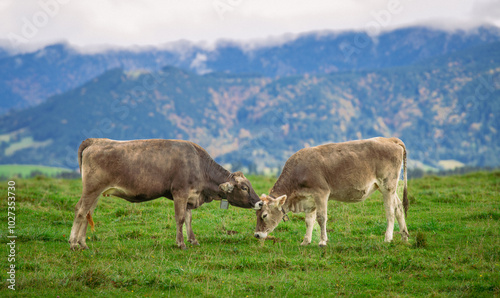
column 347, row 172
column 144, row 170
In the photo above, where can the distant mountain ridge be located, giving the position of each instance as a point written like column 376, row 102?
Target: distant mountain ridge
column 445, row 108
column 29, row 79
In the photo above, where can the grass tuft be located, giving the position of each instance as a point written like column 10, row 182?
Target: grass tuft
column 91, row 277
column 420, row 240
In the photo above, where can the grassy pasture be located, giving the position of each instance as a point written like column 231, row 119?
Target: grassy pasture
column 133, row 253
column 13, row 170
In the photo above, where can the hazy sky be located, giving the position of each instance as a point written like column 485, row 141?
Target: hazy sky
column 31, row 23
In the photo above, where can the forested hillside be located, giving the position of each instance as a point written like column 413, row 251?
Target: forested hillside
column 29, row 79
column 444, row 108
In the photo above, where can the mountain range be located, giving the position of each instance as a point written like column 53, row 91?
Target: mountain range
column 254, row 106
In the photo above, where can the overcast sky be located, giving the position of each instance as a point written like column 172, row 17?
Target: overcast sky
column 32, row 23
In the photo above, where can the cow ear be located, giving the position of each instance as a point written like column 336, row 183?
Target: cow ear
column 226, row 187
column 281, row 200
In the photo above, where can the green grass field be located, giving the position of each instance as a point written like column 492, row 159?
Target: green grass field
column 133, row 252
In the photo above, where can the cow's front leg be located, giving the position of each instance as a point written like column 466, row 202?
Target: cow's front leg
column 322, row 225
column 310, row 219
column 321, row 216
column 189, row 229
column 180, row 206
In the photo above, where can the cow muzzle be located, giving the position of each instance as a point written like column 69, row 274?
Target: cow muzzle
column 258, row 205
column 260, row 235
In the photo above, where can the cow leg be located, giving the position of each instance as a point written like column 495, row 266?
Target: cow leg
column 394, row 209
column 390, row 206
column 310, row 219
column 180, row 206
column 189, row 229
column 77, row 222
column 321, row 217
column 87, row 202
column 401, row 218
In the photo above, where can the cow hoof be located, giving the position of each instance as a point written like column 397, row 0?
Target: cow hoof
column 194, row 243
column 322, row 244
column 83, row 245
column 73, row 245
column 182, row 246
column 78, row 246
column 305, row 243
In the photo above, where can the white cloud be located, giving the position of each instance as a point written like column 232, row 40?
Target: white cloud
column 199, row 64
column 487, row 10
column 149, row 22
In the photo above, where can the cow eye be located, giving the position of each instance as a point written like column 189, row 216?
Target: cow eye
column 264, row 215
column 244, row 188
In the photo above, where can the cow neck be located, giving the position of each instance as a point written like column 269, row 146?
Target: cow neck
column 282, row 185
column 216, row 175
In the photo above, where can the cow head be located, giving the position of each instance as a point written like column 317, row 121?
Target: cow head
column 269, row 216
column 239, row 192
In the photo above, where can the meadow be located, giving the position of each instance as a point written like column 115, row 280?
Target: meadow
column 25, row 171
column 454, row 246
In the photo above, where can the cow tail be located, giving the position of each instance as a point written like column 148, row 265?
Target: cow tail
column 91, row 221
column 82, row 147
column 405, row 190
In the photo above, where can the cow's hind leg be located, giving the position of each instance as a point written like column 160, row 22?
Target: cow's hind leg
column 77, row 222
column 86, row 204
column 401, row 218
column 394, row 209
column 389, row 206
column 310, row 219
column 189, row 229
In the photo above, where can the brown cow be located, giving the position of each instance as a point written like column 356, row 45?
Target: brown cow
column 347, row 172
column 144, row 170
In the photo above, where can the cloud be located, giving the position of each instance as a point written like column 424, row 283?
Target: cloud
column 199, row 64
column 487, row 10
column 150, row 22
